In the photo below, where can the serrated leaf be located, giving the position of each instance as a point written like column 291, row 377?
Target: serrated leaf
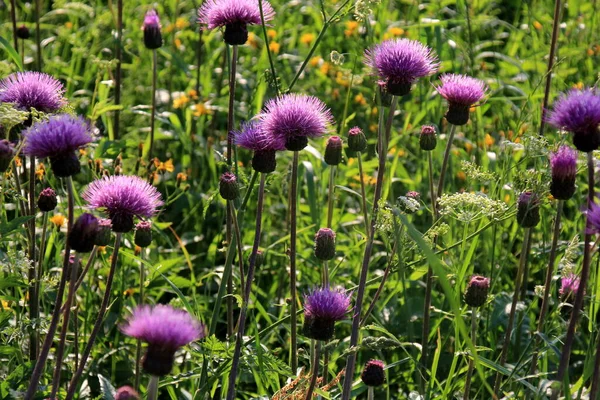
column 14, row 224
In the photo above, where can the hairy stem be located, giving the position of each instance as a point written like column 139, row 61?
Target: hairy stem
column 293, row 228
column 351, row 360
column 119, row 57
column 579, row 296
column 551, row 56
column 33, row 350
column 314, row 374
column 153, row 388
column 247, row 291
column 153, row 109
column 98, row 324
column 474, row 320
column 41, row 361
column 363, row 195
column 138, row 346
column 513, row 308
column 547, row 286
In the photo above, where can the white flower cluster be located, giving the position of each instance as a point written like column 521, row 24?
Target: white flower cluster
column 476, row 173
column 363, row 8
column 469, row 207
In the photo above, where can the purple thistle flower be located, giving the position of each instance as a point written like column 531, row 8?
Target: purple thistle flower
column 252, row 137
column 293, row 118
column 400, row 62
column 123, row 197
column 57, row 139
column 322, row 308
column 578, row 111
column 151, row 27
column 32, row 90
column 165, row 329
column 568, row 286
column 593, row 217
column 461, row 92
column 126, row 393
column 564, row 173
column 234, row 16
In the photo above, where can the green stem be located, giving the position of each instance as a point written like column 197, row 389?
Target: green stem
column 153, row 388
column 293, row 232
column 153, row 110
column 138, row 348
column 266, row 38
column 363, row 194
column 474, row 319
column 440, row 188
column 315, row 347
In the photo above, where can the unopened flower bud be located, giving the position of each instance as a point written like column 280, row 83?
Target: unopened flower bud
column 47, row 200
column 228, row 186
column 356, row 139
column 23, row 32
column 373, row 374
column 333, row 150
column 427, row 139
column 143, row 234
column 83, row 234
column 477, row 291
column 152, row 36
column 103, row 235
column 528, row 210
column 7, row 152
column 325, row 244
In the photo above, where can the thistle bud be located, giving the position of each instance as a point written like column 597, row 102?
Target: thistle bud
column 236, row 33
column 325, row 244
column 83, row 234
column 23, row 32
column 372, row 374
column 228, row 186
column 143, row 234
column 264, row 161
column 356, row 139
column 564, row 173
column 103, row 235
column 333, row 150
column 47, row 200
column 7, row 152
column 151, row 28
column 427, row 138
column 528, row 210
column 477, row 291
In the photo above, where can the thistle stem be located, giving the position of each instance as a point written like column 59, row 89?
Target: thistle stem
column 293, row 227
column 351, row 360
column 432, row 193
column 579, row 296
column 119, row 57
column 316, row 347
column 596, row 375
column 551, row 56
column 370, row 393
column 440, row 188
column 38, row 35
column 513, row 308
column 386, row 273
column 474, row 320
column 38, row 279
column 13, row 19
column 331, row 196
column 138, row 348
column 41, row 361
column 153, row 109
column 547, row 286
column 230, row 114
column 152, row 388
column 238, row 237
column 58, row 357
column 33, row 350
column 363, row 195
column 87, row 267
column 98, row 324
column 247, row 291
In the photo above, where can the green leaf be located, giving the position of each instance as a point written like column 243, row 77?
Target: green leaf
column 12, row 53
column 14, row 224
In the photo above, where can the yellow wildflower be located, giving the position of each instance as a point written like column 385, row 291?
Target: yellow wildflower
column 193, row 94
column 166, row 166
column 40, row 171
column 252, row 40
column 274, row 47
column 271, row 33
column 537, row 25
column 325, row 67
column 315, row 61
column 395, row 31
column 181, row 23
column 58, row 220
column 461, row 176
column 201, row 109
column 489, row 140
column 181, row 101
column 68, row 25
column 360, row 99
column 351, row 28
column 307, row 38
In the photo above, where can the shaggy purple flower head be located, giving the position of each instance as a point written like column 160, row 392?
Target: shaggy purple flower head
column 293, row 118
column 322, row 308
column 123, row 197
column 564, row 173
column 568, row 286
column 252, row 137
column 57, row 139
column 165, row 329
column 234, row 16
column 32, row 90
column 400, row 62
column 578, row 111
column 151, row 28
column 461, row 92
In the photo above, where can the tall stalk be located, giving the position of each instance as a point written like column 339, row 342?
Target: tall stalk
column 551, row 56
column 247, row 291
column 138, row 348
column 153, row 110
column 429, row 279
column 38, row 279
column 363, row 195
column 98, row 324
column 293, row 229
column 38, row 35
column 585, row 272
column 547, row 286
column 58, row 357
column 33, row 350
column 13, row 19
column 314, row 374
column 513, row 308
column 153, row 388
column 596, row 375
column 351, row 360
column 474, row 320
column 41, row 361
column 119, row 57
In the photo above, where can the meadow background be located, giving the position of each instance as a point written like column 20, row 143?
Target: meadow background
column 499, row 153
